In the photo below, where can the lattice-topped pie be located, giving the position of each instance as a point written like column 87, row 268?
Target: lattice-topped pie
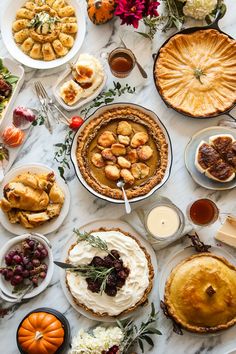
column 200, row 293
column 196, row 73
column 122, row 144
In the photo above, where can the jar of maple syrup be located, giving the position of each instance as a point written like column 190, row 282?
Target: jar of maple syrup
column 203, row 212
column 121, row 62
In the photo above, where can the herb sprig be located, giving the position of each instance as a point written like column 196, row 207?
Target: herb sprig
column 134, row 335
column 62, row 153
column 198, row 73
column 108, row 96
column 94, row 273
column 94, row 241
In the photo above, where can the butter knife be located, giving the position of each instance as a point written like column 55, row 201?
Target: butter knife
column 64, row 265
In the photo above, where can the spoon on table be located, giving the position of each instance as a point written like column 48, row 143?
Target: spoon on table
column 120, row 184
column 141, row 69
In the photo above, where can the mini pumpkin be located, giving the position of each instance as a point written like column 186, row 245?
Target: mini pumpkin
column 100, row 11
column 40, row 333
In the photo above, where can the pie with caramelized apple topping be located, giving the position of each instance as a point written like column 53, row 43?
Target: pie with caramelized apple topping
column 122, row 144
column 195, row 73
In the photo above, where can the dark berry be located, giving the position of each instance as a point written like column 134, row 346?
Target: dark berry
column 108, row 261
column 31, row 243
column 37, row 254
column 17, row 279
column 118, row 264
column 29, row 266
column 35, row 280
column 44, row 267
column 18, row 270
column 25, row 273
column 93, row 285
column 111, row 291
column 25, row 260
column 115, row 254
column 43, row 253
column 17, row 259
column 112, row 280
column 120, row 283
column 43, row 275
column 36, row 262
column 97, row 262
column 8, row 260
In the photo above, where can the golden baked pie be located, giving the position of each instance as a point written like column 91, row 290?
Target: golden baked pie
column 122, row 144
column 45, row 29
column 127, row 286
column 195, row 73
column 200, row 293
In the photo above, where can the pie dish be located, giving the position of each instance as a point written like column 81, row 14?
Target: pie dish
column 200, row 293
column 45, row 29
column 123, row 142
column 194, row 73
column 134, row 257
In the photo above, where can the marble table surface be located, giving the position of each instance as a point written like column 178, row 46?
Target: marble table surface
column 180, row 188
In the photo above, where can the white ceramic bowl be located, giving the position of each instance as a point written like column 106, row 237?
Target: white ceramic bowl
column 49, row 226
column 98, row 112
column 5, row 286
column 8, row 17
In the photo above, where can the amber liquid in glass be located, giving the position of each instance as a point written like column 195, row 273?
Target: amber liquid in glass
column 121, row 62
column 203, row 212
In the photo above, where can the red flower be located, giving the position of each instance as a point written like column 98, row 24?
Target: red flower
column 130, row 11
column 152, row 9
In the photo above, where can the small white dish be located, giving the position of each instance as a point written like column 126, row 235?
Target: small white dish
column 96, row 114
column 7, row 19
column 190, row 152
column 49, row 226
column 17, row 70
column 65, row 76
column 6, row 287
column 111, row 223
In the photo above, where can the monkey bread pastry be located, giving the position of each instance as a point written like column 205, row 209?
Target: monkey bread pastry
column 45, row 29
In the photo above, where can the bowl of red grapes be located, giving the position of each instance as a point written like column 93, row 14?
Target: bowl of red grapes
column 26, row 264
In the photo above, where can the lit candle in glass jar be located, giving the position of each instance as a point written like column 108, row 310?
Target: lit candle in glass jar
column 162, row 221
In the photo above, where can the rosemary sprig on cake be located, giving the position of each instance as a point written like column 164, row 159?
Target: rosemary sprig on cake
column 94, row 241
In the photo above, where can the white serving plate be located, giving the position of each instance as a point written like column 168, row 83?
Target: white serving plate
column 98, row 112
column 49, row 226
column 17, row 70
column 190, row 152
column 8, row 17
column 6, row 287
column 65, row 76
column 178, row 257
column 111, row 223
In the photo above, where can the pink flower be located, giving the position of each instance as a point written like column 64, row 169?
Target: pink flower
column 130, row 11
column 152, row 9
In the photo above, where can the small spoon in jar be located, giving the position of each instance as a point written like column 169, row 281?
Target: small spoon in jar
column 141, row 69
column 120, row 184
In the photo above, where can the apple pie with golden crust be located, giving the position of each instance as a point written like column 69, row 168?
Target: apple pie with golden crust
column 122, row 144
column 200, row 293
column 196, row 73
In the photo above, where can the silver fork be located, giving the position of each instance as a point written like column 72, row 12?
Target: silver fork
column 50, row 101
column 44, row 107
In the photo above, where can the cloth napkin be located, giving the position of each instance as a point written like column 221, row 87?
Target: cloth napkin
column 136, row 220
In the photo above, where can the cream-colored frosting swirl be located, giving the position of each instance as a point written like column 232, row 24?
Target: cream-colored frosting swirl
column 137, row 282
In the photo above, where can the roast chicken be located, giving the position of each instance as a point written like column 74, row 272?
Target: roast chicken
column 31, row 199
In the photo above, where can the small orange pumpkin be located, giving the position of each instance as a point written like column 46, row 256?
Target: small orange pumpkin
column 40, row 333
column 100, row 11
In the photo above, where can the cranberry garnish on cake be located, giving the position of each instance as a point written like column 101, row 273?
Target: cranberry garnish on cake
column 112, row 272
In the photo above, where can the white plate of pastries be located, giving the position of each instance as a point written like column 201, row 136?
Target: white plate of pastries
column 80, row 83
column 43, row 34
column 33, row 198
column 210, row 158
